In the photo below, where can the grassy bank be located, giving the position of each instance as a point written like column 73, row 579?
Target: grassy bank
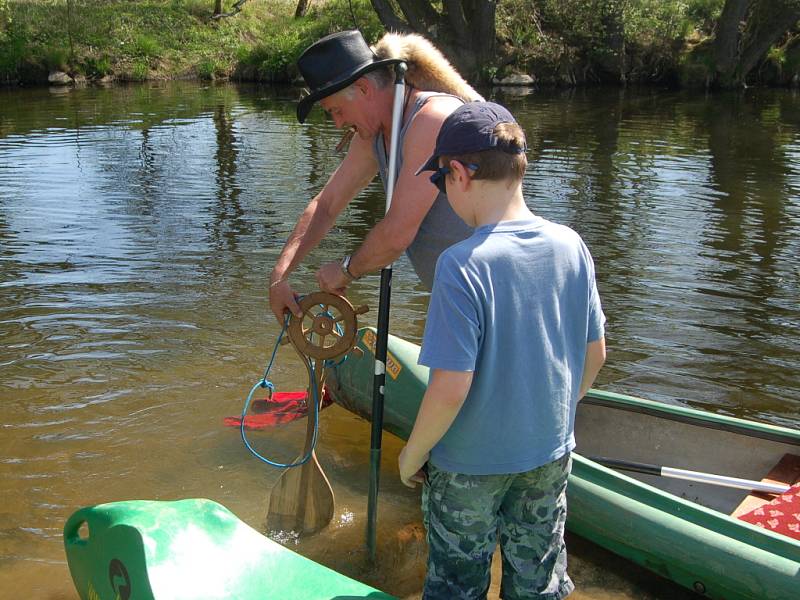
column 159, row 39
column 558, row 42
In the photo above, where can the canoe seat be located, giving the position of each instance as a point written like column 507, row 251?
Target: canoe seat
column 780, row 513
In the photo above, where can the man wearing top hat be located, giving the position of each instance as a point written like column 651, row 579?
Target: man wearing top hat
column 354, row 85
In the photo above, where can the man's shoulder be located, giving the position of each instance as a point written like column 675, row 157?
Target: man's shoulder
column 436, row 108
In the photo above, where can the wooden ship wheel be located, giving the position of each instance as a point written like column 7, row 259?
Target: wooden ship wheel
column 327, row 328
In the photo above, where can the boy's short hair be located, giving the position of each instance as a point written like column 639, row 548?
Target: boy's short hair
column 498, row 164
column 485, row 134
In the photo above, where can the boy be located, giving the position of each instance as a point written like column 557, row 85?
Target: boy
column 514, row 338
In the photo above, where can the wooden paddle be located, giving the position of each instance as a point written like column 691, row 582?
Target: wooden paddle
column 302, row 498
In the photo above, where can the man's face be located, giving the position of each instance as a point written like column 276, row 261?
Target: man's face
column 347, row 109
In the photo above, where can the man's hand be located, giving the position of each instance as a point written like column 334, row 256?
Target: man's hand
column 411, row 472
column 282, row 299
column 331, row 278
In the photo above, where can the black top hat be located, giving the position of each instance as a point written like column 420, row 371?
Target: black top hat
column 333, row 63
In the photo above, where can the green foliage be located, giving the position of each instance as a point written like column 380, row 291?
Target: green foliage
column 514, row 24
column 285, row 38
column 274, row 57
column 335, row 15
column 696, row 67
column 200, row 9
column 649, row 22
column 777, row 56
column 140, row 70
column 13, row 52
column 792, row 63
column 704, row 14
column 5, row 20
column 169, row 36
column 96, row 67
column 489, row 73
column 146, row 46
column 55, row 58
column 208, row 70
column 566, row 40
column 555, row 40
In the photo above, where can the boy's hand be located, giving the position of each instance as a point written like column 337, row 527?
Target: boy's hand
column 411, row 467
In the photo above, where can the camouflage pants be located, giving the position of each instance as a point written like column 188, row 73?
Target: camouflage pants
column 464, row 517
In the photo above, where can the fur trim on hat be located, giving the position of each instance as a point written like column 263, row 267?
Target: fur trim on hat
column 428, row 69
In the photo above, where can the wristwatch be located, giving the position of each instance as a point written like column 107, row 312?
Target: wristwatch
column 345, row 264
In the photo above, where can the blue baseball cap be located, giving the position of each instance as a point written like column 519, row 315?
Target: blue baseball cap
column 468, row 129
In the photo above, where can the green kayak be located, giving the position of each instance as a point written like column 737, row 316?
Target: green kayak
column 190, row 550
column 680, row 529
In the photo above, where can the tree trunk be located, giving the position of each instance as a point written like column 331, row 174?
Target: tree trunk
column 217, row 8
column 769, row 22
column 727, row 39
column 481, row 18
column 389, row 18
column 302, row 8
column 464, row 30
column 746, row 30
column 420, row 15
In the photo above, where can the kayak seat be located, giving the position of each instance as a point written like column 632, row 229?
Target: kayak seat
column 191, row 549
column 779, row 513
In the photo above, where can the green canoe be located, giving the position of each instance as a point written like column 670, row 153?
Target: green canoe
column 680, row 529
column 190, row 550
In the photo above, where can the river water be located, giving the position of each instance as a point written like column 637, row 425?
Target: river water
column 138, row 226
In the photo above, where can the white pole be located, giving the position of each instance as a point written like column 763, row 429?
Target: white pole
column 397, row 124
column 722, row 480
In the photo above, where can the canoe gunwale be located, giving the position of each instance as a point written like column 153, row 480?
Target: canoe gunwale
column 638, row 491
column 681, row 414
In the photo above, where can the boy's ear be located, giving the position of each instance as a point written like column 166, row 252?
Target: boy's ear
column 460, row 174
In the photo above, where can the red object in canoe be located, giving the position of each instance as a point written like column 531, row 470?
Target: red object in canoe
column 781, row 515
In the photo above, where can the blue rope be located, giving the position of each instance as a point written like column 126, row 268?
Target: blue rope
column 265, row 383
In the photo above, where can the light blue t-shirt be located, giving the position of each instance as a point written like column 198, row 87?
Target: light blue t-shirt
column 516, row 303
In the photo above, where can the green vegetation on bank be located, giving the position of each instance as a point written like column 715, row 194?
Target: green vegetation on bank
column 153, row 39
column 575, row 41
column 558, row 42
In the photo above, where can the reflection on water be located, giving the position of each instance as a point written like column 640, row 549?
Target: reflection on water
column 138, row 226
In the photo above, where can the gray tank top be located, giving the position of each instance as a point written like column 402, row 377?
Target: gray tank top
column 441, row 227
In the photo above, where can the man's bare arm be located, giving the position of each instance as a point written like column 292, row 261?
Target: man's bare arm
column 356, row 171
column 413, row 195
